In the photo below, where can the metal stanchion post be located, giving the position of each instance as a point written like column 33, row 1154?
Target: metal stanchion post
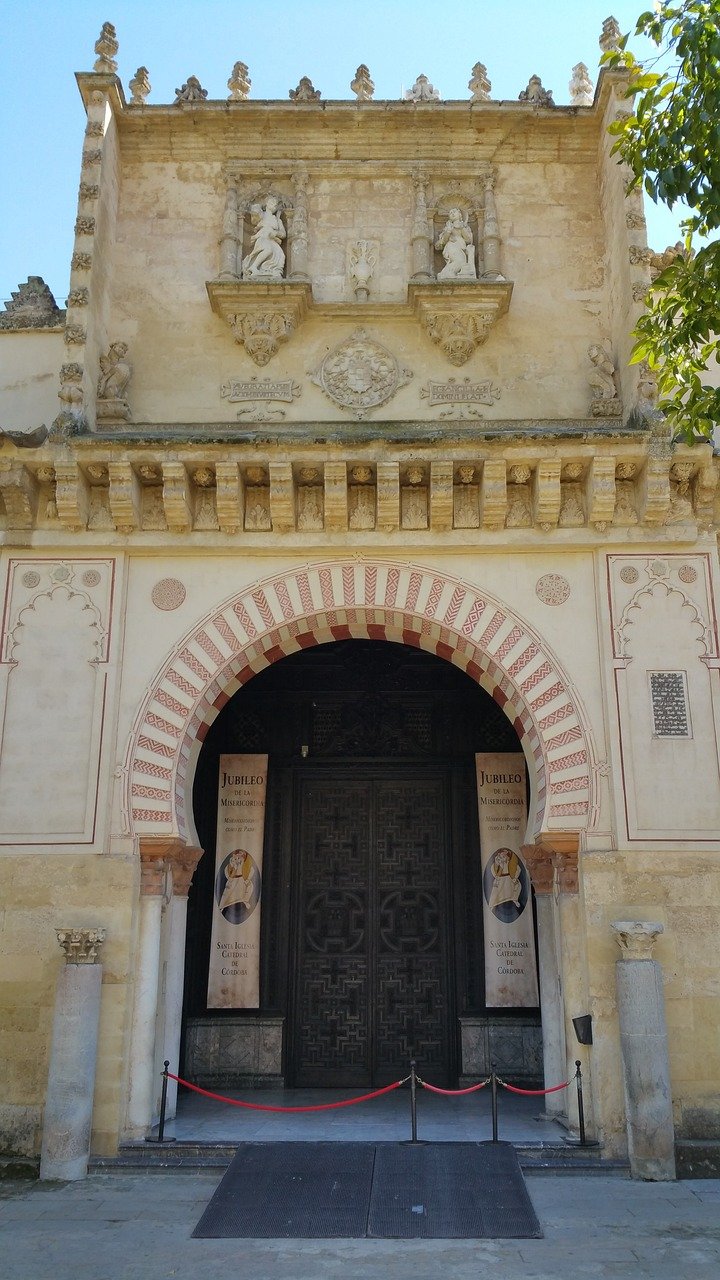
column 581, row 1108
column 163, row 1106
column 413, row 1100
column 493, row 1080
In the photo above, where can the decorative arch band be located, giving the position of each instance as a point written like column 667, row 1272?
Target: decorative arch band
column 339, row 600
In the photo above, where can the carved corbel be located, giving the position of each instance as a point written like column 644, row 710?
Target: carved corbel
column 547, row 493
column 388, row 496
column 282, row 497
column 655, row 484
column 20, row 494
column 72, row 496
column 441, row 496
column 539, row 861
column 336, row 504
column 228, row 497
column 176, row 497
column 124, row 497
column 600, row 491
column 262, row 314
column 459, row 333
column 493, row 494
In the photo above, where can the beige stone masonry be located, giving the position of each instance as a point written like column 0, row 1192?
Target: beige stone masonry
column 106, row 486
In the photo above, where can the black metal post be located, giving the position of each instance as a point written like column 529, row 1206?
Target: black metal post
column 163, row 1101
column 413, row 1100
column 163, row 1107
column 493, row 1081
column 581, row 1108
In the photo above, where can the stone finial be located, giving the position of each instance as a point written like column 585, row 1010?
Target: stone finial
column 363, row 261
column 582, row 90
column 362, row 86
column 478, row 84
column 81, row 946
column 305, row 92
column 32, row 306
column 422, row 91
column 239, row 83
column 106, row 47
column 536, row 94
column 636, row 938
column 112, row 383
column 610, row 36
column 140, row 87
column 192, row 91
column 659, row 261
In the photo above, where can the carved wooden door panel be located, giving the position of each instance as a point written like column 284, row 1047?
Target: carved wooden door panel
column 411, row 965
column 331, row 1026
column 371, row 967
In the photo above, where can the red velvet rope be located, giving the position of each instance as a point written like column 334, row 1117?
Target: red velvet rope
column 257, row 1106
column 452, row 1093
column 532, row 1092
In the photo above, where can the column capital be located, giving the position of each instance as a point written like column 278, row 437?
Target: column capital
column 636, row 938
column 158, row 854
column 81, row 946
column 565, row 863
column 539, row 861
column 183, row 861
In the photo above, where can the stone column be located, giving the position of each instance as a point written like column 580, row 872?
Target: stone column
column 67, row 1122
column 539, row 859
column 491, row 229
column 183, row 860
column 298, row 251
column 231, row 238
column 153, row 869
column 643, row 1042
column 421, row 236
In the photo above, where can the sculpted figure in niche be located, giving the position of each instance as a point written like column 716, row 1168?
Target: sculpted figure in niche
column 116, row 373
column 457, row 247
column 266, row 257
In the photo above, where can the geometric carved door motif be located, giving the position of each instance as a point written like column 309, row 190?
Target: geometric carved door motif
column 372, row 955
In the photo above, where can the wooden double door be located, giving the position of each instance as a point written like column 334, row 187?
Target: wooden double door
column 371, row 946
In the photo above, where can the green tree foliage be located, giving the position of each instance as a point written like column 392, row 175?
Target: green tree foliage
column 671, row 141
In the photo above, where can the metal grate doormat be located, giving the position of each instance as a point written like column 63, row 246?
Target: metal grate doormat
column 450, row 1190
column 317, row 1190
column 292, row 1190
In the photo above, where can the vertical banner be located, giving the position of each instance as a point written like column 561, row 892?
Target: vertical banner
column 510, row 966
column 234, row 977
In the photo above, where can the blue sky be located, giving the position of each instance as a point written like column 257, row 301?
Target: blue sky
column 42, row 118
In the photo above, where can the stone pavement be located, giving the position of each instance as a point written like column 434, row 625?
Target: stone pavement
column 137, row 1226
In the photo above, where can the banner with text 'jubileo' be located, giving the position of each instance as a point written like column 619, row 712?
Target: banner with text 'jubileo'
column 234, row 977
column 510, row 965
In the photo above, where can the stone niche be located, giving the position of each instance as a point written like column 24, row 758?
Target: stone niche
column 512, row 1045
column 235, row 1052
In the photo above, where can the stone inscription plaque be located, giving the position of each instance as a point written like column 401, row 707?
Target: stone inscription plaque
column 668, row 697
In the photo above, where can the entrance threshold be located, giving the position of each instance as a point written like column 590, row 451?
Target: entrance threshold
column 521, row 1121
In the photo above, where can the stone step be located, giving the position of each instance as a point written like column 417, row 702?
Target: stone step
column 189, row 1156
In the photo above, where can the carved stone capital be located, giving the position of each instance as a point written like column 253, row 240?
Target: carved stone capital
column 636, row 938
column 154, row 864
column 539, row 861
column 81, row 946
column 159, row 854
column 565, row 863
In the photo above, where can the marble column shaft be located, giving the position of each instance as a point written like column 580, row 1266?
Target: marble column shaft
column 67, row 1123
column 644, row 1045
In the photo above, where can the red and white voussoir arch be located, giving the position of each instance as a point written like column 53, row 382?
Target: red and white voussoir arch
column 379, row 600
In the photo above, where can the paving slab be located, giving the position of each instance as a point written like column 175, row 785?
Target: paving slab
column 138, row 1226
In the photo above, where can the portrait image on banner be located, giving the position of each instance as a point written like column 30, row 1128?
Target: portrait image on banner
column 510, row 963
column 234, row 976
